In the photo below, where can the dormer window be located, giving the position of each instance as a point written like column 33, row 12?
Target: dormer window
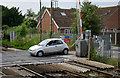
column 63, row 14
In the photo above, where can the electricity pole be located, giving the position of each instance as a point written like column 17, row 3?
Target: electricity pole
column 40, row 23
column 30, row 29
column 51, row 22
column 77, row 15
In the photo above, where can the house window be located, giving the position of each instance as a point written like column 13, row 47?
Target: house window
column 106, row 30
column 70, row 31
column 114, row 29
column 62, row 13
column 66, row 31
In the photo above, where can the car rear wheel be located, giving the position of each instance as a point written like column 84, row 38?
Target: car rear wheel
column 65, row 51
column 40, row 54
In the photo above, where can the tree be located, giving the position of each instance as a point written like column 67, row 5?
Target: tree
column 11, row 17
column 30, row 13
column 33, row 23
column 90, row 18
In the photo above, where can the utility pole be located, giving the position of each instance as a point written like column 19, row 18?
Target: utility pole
column 51, row 22
column 77, row 15
column 40, row 23
column 30, row 29
column 29, row 26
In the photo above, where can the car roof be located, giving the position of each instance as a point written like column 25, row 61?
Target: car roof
column 54, row 39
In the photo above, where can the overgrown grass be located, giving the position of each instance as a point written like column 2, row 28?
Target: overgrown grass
column 106, row 60
column 26, row 42
column 118, row 45
column 103, row 59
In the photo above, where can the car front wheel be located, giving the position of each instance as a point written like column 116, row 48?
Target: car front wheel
column 40, row 54
column 65, row 51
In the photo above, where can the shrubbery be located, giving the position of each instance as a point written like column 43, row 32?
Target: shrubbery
column 103, row 59
column 23, row 31
column 30, row 22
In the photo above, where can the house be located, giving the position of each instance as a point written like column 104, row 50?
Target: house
column 110, row 18
column 111, row 22
column 62, row 20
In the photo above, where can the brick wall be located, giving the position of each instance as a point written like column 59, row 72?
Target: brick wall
column 46, row 24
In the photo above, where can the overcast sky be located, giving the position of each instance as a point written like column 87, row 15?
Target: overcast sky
column 34, row 4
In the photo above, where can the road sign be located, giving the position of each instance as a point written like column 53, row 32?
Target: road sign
column 62, row 37
column 67, row 40
column 66, row 37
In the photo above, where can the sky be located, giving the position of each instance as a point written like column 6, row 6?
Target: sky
column 65, row 4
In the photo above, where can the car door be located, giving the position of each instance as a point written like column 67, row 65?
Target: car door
column 59, row 45
column 50, row 47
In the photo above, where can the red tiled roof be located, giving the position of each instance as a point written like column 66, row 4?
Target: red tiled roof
column 63, row 21
column 111, row 16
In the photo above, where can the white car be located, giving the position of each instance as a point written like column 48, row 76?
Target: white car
column 49, row 46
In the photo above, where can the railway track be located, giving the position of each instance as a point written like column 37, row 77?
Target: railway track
column 94, row 64
column 104, row 72
column 73, row 69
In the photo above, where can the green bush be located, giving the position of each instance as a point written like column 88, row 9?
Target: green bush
column 104, row 59
column 6, row 42
column 30, row 22
column 23, row 31
column 7, row 36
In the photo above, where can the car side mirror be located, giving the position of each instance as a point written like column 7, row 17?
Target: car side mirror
column 47, row 45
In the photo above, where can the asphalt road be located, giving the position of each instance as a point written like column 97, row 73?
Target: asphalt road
column 23, row 57
column 8, row 58
column 115, row 52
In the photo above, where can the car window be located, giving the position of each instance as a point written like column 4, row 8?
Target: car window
column 58, row 42
column 43, row 43
column 51, row 43
column 55, row 42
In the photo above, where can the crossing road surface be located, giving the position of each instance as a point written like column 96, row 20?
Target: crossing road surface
column 115, row 52
column 23, row 57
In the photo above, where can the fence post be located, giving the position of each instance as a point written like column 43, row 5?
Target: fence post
column 90, row 47
column 115, row 37
column 119, row 60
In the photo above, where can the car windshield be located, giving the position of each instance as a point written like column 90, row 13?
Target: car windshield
column 43, row 43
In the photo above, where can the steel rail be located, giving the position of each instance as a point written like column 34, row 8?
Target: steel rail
column 75, row 74
column 32, row 71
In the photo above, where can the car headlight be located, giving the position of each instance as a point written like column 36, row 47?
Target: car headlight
column 33, row 50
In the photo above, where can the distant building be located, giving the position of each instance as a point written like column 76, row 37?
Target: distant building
column 110, row 17
column 61, row 21
column 111, row 22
